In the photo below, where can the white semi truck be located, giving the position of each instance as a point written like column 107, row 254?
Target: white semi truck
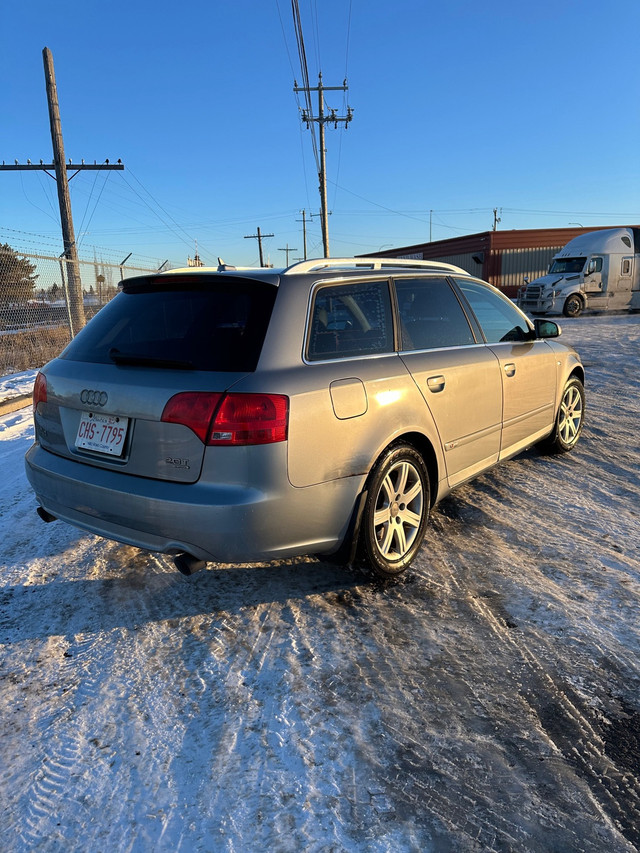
column 596, row 271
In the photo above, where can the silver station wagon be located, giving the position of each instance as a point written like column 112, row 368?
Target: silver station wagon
column 252, row 415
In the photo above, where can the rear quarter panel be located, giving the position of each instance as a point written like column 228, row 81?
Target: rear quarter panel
column 344, row 413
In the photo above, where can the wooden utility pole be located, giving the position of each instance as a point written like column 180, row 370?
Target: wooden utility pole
column 73, row 287
column 304, row 231
column 288, row 251
column 322, row 119
column 66, row 219
column 259, row 237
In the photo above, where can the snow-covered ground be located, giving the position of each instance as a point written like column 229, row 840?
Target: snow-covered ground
column 489, row 701
column 16, row 385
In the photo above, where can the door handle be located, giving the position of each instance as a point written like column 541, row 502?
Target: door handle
column 435, row 383
column 510, row 369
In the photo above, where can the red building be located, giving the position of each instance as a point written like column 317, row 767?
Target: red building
column 503, row 258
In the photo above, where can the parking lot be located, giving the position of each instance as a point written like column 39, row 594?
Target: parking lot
column 490, row 700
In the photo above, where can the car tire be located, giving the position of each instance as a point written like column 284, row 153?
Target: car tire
column 569, row 419
column 396, row 511
column 573, row 306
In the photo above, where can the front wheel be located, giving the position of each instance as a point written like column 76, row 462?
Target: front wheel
column 396, row 510
column 573, row 306
column 569, row 420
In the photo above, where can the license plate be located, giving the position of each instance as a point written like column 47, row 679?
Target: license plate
column 102, row 433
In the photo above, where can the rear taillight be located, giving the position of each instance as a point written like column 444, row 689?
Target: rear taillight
column 39, row 391
column 193, row 409
column 231, row 419
column 250, row 419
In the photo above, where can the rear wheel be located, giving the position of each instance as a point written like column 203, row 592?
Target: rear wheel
column 396, row 510
column 573, row 306
column 569, row 420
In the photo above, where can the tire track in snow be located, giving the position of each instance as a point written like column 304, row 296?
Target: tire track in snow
column 457, row 579
column 576, row 731
column 56, row 781
column 449, row 768
column 81, row 744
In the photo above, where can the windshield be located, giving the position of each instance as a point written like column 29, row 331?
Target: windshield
column 564, row 265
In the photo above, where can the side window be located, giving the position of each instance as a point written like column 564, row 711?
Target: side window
column 595, row 265
column 430, row 315
column 499, row 319
column 626, row 267
column 349, row 320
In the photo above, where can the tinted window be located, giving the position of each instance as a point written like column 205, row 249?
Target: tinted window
column 430, row 315
column 564, row 265
column 499, row 319
column 351, row 320
column 190, row 325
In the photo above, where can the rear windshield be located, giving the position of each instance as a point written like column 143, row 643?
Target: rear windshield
column 176, row 324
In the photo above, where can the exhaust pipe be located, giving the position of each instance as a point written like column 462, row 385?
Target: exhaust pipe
column 45, row 516
column 187, row 564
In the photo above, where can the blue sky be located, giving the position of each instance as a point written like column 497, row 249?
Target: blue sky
column 459, row 107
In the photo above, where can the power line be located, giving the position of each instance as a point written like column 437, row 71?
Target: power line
column 184, row 237
column 285, row 39
column 95, row 207
column 346, row 59
column 304, row 70
column 24, row 238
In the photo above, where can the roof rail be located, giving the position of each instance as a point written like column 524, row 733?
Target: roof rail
column 320, row 264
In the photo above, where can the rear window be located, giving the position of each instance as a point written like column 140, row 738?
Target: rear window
column 351, row 320
column 182, row 324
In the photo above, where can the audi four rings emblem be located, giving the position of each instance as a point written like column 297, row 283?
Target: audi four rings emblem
column 94, row 398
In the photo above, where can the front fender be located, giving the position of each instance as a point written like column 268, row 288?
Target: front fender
column 568, row 364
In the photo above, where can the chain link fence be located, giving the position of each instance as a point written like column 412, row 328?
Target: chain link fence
column 45, row 301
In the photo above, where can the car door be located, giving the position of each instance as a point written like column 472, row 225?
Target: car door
column 527, row 367
column 346, row 401
column 458, row 376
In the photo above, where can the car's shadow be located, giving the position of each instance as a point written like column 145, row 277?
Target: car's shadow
column 147, row 591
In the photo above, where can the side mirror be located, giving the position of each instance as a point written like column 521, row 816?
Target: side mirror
column 546, row 328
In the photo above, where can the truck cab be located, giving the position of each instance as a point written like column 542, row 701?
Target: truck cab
column 596, row 271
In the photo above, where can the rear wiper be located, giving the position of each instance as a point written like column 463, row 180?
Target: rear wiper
column 148, row 360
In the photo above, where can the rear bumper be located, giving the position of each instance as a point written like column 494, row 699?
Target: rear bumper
column 221, row 523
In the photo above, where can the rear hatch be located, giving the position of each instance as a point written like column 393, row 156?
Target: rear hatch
column 163, row 350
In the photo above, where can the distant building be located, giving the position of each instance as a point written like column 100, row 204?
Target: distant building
column 503, row 258
column 195, row 262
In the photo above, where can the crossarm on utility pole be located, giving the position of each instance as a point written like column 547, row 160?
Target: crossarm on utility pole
column 259, row 237
column 60, row 168
column 322, row 119
column 45, row 167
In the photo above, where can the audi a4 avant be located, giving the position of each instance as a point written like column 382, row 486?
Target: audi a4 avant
column 250, row 415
